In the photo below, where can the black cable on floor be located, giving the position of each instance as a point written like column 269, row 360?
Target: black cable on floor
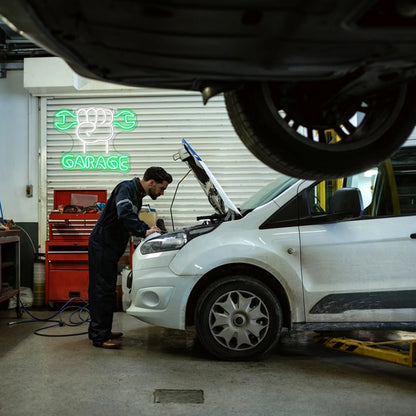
column 81, row 310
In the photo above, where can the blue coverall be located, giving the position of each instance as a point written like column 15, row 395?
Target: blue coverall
column 107, row 243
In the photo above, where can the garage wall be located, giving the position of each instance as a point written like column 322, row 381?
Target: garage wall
column 19, row 149
column 19, row 165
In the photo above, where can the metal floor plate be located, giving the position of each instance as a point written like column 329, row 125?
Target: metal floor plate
column 178, row 396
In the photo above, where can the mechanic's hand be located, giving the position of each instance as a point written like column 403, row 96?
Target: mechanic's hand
column 153, row 230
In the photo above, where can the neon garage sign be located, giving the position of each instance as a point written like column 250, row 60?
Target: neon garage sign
column 89, row 162
column 95, row 126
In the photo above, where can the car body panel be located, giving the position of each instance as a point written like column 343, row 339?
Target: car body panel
column 332, row 262
column 268, row 252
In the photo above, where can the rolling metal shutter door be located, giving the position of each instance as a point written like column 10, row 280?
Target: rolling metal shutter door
column 163, row 119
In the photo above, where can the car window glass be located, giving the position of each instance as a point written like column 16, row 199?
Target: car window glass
column 365, row 183
column 318, row 197
column 268, row 192
column 393, row 186
column 386, row 190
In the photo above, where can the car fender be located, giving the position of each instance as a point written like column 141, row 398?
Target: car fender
column 204, row 254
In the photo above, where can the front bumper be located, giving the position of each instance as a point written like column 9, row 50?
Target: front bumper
column 160, row 298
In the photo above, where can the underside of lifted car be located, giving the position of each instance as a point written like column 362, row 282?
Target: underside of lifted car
column 314, row 89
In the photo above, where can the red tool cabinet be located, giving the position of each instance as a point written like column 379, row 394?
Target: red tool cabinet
column 66, row 257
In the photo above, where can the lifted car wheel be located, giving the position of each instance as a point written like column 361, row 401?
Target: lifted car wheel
column 238, row 318
column 300, row 130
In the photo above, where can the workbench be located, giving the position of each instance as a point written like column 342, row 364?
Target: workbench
column 10, row 267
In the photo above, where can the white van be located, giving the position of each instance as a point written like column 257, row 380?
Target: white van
column 298, row 254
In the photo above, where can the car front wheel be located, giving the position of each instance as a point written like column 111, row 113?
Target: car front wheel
column 238, row 318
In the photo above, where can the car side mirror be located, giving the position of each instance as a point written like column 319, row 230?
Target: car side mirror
column 347, row 203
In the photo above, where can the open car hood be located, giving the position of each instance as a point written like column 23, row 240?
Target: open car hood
column 216, row 195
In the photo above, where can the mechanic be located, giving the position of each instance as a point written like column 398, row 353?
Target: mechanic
column 107, row 244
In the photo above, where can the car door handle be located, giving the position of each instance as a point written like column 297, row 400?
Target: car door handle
column 413, row 235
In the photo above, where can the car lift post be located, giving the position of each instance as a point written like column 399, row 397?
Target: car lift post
column 380, row 350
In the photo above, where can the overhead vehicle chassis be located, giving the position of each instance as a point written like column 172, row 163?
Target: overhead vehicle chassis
column 289, row 70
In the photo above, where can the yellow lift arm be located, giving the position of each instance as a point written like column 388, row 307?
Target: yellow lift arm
column 380, row 350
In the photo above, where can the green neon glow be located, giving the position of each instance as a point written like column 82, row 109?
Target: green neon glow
column 95, row 162
column 129, row 120
column 66, row 119
column 62, row 123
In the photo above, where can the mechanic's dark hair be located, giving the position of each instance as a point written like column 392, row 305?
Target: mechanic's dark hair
column 158, row 174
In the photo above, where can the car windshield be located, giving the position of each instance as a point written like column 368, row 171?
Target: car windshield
column 268, row 192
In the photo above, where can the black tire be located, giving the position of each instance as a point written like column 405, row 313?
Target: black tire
column 249, row 329
column 282, row 127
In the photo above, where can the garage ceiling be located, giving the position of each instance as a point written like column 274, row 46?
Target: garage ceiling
column 14, row 48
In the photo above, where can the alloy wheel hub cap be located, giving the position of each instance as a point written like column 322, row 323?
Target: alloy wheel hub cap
column 239, row 320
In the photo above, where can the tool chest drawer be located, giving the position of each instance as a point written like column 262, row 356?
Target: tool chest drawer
column 67, row 284
column 66, row 259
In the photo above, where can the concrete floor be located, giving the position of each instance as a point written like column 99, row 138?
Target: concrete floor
column 68, row 376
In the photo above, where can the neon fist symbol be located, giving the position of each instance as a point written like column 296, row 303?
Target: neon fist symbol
column 94, row 124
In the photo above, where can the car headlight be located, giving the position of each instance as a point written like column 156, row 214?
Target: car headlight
column 165, row 242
